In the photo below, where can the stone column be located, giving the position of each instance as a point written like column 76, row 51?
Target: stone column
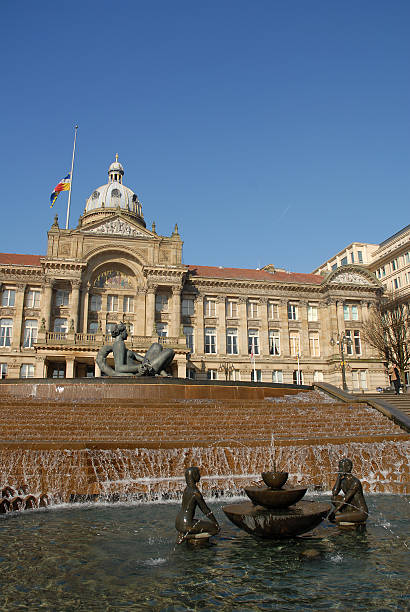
column 75, row 300
column 243, row 326
column 199, row 325
column 264, row 328
column 340, row 317
column 84, row 307
column 221, row 325
column 46, row 302
column 150, row 311
column 69, row 367
column 17, row 339
column 139, row 313
column 181, row 365
column 40, row 369
column 175, row 312
column 97, row 371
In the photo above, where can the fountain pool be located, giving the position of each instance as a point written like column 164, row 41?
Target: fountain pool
column 123, row 557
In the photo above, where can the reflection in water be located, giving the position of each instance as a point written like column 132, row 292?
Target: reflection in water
column 123, row 557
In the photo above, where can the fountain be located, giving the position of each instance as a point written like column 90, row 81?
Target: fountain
column 275, row 511
column 12, row 499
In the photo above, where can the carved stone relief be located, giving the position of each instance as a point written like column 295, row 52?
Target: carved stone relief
column 118, row 228
column 351, row 278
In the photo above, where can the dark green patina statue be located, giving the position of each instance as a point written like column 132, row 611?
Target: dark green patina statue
column 350, row 508
column 188, row 526
column 129, row 363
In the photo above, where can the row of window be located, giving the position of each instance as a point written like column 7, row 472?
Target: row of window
column 31, row 300
column 394, row 265
column 26, row 370
column 30, row 332
column 359, row 377
column 358, row 258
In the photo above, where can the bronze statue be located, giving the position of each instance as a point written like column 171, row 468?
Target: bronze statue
column 185, row 522
column 127, row 362
column 351, row 508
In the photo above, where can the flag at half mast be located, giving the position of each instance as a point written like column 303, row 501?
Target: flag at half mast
column 63, row 185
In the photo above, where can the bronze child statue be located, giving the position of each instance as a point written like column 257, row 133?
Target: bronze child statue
column 351, row 508
column 185, row 522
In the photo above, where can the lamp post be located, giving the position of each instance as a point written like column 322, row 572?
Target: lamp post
column 342, row 340
column 227, row 368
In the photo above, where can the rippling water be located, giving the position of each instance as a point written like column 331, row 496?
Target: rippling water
column 123, row 557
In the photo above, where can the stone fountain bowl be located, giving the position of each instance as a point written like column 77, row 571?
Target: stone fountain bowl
column 274, row 480
column 275, row 498
column 277, row 524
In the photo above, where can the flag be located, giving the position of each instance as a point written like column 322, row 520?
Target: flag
column 63, row 185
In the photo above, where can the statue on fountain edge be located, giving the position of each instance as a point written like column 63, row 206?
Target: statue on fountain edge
column 129, row 363
column 352, row 508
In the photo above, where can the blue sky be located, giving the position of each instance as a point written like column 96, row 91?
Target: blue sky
column 271, row 132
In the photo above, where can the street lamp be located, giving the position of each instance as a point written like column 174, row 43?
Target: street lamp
column 227, row 368
column 342, row 340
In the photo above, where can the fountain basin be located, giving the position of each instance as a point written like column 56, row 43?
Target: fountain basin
column 275, row 498
column 274, row 480
column 283, row 523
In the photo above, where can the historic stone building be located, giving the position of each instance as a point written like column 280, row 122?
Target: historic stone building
column 267, row 325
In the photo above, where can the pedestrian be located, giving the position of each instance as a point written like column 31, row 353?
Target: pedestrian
column 395, row 377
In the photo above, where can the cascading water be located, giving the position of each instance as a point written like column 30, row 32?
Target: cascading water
column 136, row 448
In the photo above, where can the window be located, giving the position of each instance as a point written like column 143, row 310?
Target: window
column 294, row 344
column 109, row 327
column 351, row 313
column 394, row 265
column 273, row 311
column 231, row 308
column 33, row 299
column 292, row 312
column 352, row 257
column 162, row 330
column 96, row 303
column 6, row 331
column 58, row 371
column 314, row 346
column 62, row 297
column 189, row 337
column 112, row 303
column 256, row 376
column 355, row 313
column 210, row 340
column 187, row 307
column 312, row 312
column 93, row 327
column 30, row 332
column 277, row 376
column 161, row 303
column 334, row 266
column 396, row 283
column 8, row 297
column 128, row 304
column 60, row 325
column 360, row 256
column 383, row 271
column 343, row 261
column 317, row 376
column 274, row 342
column 212, row 375
column 190, row 373
column 297, row 377
column 349, row 345
column 3, row 370
column 232, row 341
column 209, row 307
column 357, row 342
column 236, row 375
column 359, row 379
column 253, row 341
column 407, row 257
column 253, row 310
column 27, row 370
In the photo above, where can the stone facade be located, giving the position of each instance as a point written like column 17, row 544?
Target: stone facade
column 226, row 323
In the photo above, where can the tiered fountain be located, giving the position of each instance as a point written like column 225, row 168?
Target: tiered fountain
column 275, row 511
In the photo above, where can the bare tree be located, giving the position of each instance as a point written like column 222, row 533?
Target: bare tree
column 387, row 330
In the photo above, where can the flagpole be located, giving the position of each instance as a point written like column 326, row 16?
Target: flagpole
column 71, row 179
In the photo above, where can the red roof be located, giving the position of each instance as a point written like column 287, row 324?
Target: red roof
column 20, row 260
column 259, row 275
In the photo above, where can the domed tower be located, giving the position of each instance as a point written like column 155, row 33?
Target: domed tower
column 112, row 198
